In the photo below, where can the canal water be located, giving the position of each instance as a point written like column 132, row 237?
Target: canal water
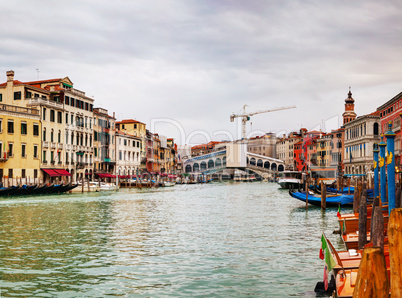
column 206, row 240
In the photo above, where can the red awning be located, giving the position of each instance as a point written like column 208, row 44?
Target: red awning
column 62, row 172
column 106, row 175
column 51, row 172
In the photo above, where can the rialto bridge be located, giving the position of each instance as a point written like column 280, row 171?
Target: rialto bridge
column 222, row 160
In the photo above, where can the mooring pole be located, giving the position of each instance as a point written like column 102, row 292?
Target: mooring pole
column 383, row 179
column 391, row 167
column 376, row 182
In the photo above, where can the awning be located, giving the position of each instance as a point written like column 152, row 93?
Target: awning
column 51, row 172
column 62, row 172
column 105, row 175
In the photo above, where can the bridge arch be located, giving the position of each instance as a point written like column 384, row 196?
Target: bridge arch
column 281, row 168
column 211, row 164
column 218, row 162
column 273, row 167
column 196, row 167
column 260, row 163
column 188, row 169
column 203, row 165
column 252, row 161
column 266, row 165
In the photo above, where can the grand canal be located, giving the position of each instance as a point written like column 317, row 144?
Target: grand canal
column 218, row 239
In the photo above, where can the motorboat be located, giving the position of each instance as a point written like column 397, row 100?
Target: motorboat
column 243, row 176
column 290, row 179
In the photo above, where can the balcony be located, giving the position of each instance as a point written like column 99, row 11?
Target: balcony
column 74, row 147
column 80, row 165
column 67, row 162
column 46, row 102
column 52, row 145
column 3, row 159
column 44, row 162
column 60, row 146
column 59, row 163
column 52, row 162
column 68, row 146
column 45, row 144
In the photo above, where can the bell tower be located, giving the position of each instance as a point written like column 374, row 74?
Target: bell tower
column 349, row 113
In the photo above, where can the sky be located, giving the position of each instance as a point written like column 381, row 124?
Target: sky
column 183, row 67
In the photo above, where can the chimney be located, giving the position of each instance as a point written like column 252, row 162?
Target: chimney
column 10, row 75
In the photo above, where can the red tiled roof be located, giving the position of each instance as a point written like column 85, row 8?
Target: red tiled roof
column 42, row 81
column 128, row 121
column 15, row 83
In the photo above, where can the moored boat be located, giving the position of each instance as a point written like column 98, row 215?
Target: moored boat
column 331, row 201
column 290, row 179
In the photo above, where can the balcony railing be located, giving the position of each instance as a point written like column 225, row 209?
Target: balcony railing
column 68, row 146
column 2, row 159
column 43, row 101
column 52, row 145
column 20, row 110
column 59, row 146
column 44, row 162
column 45, row 144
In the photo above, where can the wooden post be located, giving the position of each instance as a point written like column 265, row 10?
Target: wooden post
column 89, row 189
column 306, row 187
column 323, row 196
column 398, row 196
column 355, row 202
column 348, row 184
column 372, row 277
column 362, row 222
column 377, row 228
column 82, row 184
column 395, row 251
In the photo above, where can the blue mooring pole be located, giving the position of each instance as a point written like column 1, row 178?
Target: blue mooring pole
column 381, row 165
column 376, row 182
column 391, row 167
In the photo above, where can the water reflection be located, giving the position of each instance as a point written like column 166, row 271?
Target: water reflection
column 227, row 239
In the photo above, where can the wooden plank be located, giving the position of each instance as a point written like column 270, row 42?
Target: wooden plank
column 362, row 222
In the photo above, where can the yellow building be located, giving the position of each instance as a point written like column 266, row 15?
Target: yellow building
column 20, row 145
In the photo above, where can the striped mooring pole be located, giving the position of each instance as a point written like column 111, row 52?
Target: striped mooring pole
column 391, row 167
column 383, row 179
column 376, row 182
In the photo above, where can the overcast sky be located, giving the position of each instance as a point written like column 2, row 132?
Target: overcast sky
column 197, row 62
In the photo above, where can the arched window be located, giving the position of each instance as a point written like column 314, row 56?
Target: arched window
column 196, row 167
column 259, row 163
column 188, row 168
column 203, row 165
column 252, row 161
column 218, row 162
column 211, row 163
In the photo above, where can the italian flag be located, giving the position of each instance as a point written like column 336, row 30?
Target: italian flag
column 329, row 260
column 339, row 211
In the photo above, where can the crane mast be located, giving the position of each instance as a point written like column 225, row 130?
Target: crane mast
column 246, row 116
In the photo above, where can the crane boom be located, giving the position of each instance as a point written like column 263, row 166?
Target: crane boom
column 246, row 116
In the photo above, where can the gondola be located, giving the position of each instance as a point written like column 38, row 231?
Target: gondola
column 331, row 201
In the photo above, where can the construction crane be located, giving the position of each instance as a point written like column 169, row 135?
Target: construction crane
column 246, row 117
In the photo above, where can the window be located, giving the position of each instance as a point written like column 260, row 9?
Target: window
column 66, row 118
column 35, row 173
column 10, row 173
column 17, row 95
column 36, row 129
column 28, row 94
column 22, row 173
column 59, row 118
column 120, row 155
column 96, row 152
column 35, row 153
column 67, row 100
column 44, row 114
column 44, row 134
column 52, row 116
column 10, row 126
column 44, row 157
column 23, row 128
column 59, row 137
column 51, row 135
column 1, row 125
column 23, row 150
column 1, row 97
column 122, row 126
column 52, row 157
column 125, row 142
column 10, row 149
column 72, row 102
column 135, row 126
